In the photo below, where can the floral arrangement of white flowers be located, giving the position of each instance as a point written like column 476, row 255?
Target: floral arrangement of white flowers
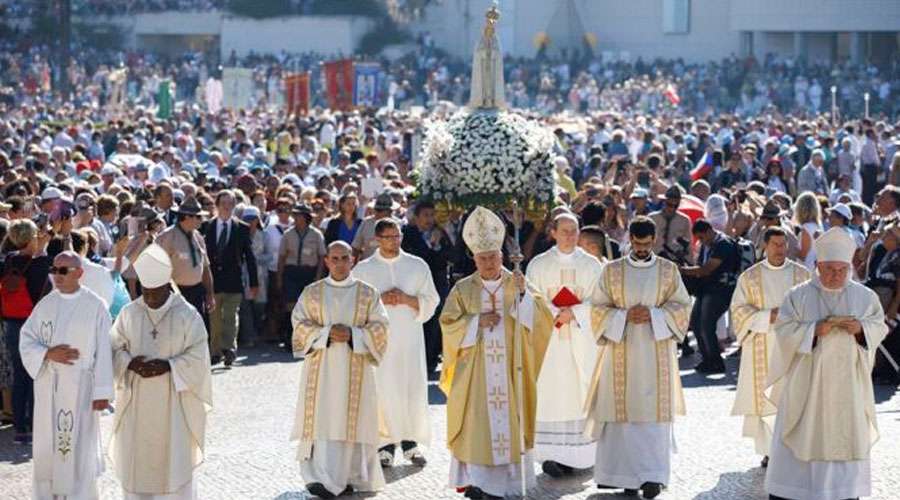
column 486, row 157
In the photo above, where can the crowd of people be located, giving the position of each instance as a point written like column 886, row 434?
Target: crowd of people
column 750, row 217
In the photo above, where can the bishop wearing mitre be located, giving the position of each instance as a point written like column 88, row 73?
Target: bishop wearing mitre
column 479, row 377
column 567, row 276
column 754, row 307
column 641, row 311
column 163, row 387
column 826, row 336
column 341, row 329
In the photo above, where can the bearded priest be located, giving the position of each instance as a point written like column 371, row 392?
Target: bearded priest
column 479, row 376
column 641, row 311
column 827, row 332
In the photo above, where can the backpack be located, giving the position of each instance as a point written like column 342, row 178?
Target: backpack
column 15, row 301
column 746, row 254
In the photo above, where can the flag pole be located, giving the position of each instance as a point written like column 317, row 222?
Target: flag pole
column 517, row 259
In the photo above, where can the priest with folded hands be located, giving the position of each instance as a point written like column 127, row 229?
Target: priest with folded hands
column 827, row 333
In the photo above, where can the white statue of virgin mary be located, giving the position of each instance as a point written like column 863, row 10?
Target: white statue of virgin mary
column 487, row 67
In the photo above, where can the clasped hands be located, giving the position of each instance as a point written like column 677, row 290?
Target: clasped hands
column 851, row 325
column 339, row 333
column 148, row 369
column 396, row 297
column 638, row 315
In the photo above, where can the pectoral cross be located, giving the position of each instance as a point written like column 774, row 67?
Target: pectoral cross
column 154, row 333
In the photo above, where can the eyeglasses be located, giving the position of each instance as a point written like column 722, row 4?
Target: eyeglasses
column 62, row 271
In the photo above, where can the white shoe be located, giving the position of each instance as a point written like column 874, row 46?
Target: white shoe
column 386, row 458
column 415, row 456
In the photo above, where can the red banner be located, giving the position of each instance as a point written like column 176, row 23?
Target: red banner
column 296, row 93
column 339, row 84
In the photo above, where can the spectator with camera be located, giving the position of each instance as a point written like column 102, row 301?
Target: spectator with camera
column 716, row 273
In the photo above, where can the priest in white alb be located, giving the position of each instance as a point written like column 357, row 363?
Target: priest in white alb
column 827, row 333
column 410, row 298
column 341, row 328
column 566, row 275
column 641, row 311
column 163, row 387
column 478, row 324
column 65, row 348
column 754, row 306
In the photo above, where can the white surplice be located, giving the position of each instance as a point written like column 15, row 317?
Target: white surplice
column 505, row 477
column 637, row 386
column 402, row 376
column 826, row 421
column 565, row 377
column 160, row 424
column 337, row 415
column 760, row 289
column 66, row 447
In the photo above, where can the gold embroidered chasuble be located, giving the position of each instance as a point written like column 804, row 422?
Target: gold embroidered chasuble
column 760, row 289
column 464, row 380
column 338, row 401
column 636, row 377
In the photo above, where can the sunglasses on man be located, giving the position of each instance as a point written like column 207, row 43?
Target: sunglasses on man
column 62, row 271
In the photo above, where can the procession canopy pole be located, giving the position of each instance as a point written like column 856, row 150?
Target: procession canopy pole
column 517, row 259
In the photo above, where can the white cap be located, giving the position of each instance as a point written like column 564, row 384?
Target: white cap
column 843, row 210
column 483, row 231
column 836, row 245
column 153, row 267
column 51, row 193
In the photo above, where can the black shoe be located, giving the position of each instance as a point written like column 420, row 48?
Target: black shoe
column 347, row 491
column 214, row 360
column 474, row 493
column 651, row 490
column 765, row 462
column 630, row 493
column 229, row 357
column 319, row 490
column 552, row 469
column 686, row 350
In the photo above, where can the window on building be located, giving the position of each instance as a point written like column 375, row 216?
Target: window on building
column 676, row 16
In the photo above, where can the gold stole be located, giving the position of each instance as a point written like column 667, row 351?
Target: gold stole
column 314, row 306
column 755, row 294
column 614, row 283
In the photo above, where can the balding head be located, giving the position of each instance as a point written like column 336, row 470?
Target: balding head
column 66, row 272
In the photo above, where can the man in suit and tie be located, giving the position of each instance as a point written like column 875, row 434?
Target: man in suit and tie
column 229, row 248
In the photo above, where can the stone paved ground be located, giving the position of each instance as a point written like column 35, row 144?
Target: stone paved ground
column 250, row 457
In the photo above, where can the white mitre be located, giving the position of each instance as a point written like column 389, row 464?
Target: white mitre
column 836, row 245
column 483, row 231
column 153, row 267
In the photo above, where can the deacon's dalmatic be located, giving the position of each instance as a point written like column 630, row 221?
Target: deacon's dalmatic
column 754, row 306
column 163, row 387
column 641, row 310
column 479, row 325
column 567, row 276
column 341, row 328
column 827, row 333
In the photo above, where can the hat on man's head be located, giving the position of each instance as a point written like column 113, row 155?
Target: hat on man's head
column 153, row 267
column 771, row 210
column 190, row 206
column 483, row 231
column 836, row 245
column 50, row 194
column 843, row 210
column 385, row 201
